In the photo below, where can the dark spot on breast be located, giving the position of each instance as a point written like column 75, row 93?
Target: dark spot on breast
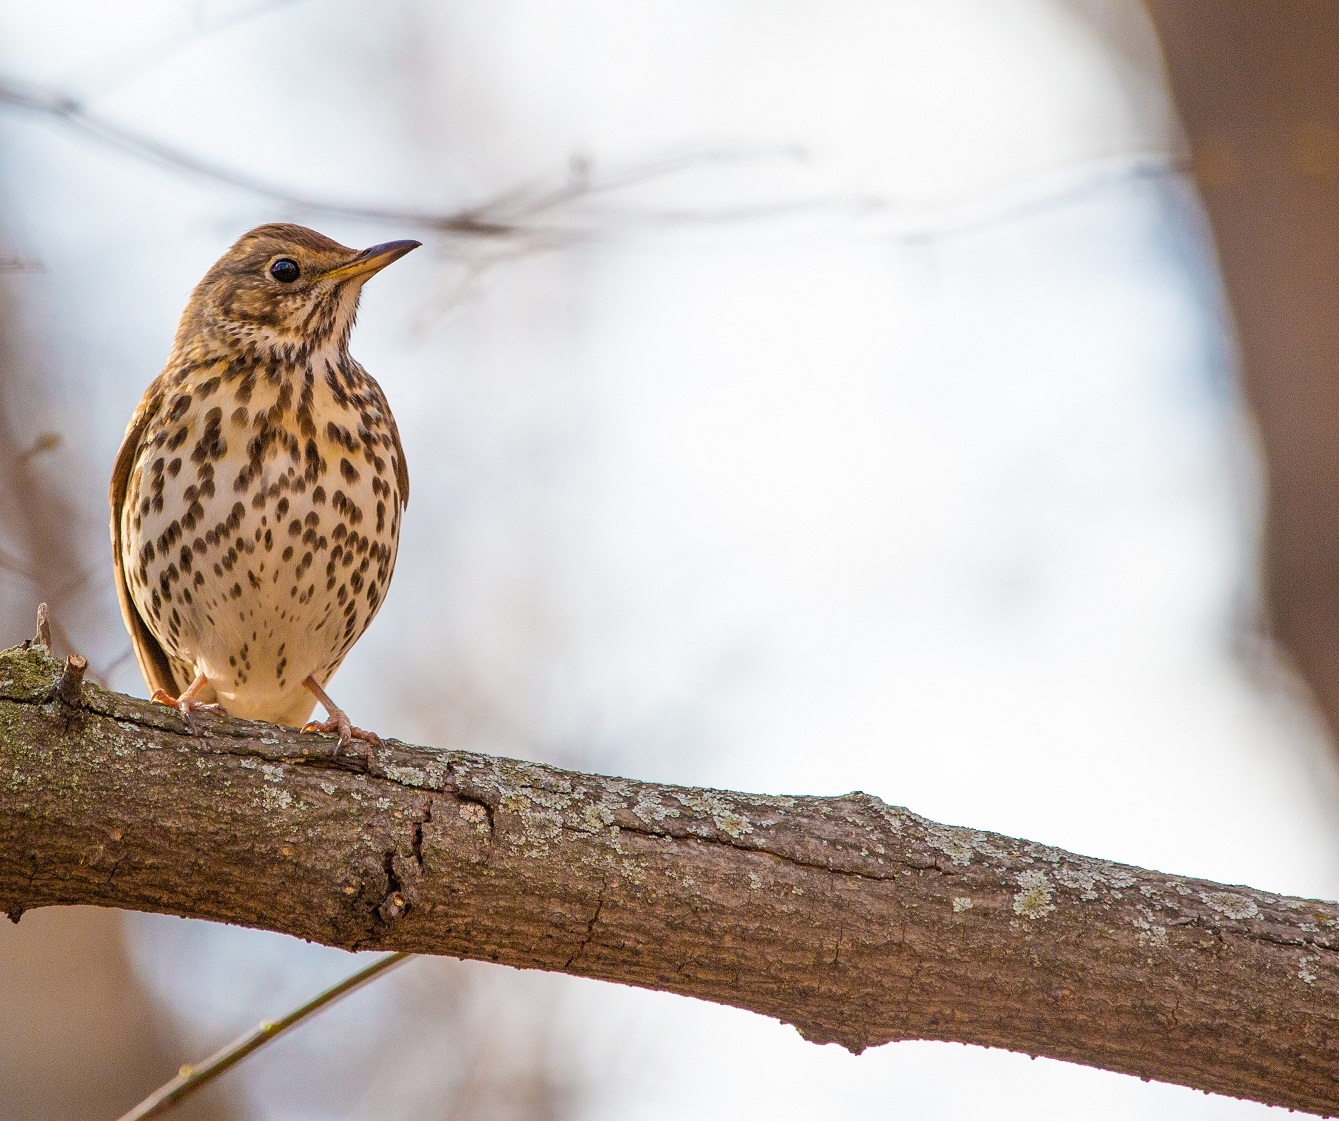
column 211, row 445
column 315, row 465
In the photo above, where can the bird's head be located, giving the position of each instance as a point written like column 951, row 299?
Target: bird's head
column 283, row 288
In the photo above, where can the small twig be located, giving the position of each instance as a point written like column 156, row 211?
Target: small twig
column 519, row 212
column 43, row 637
column 45, row 442
column 543, row 216
column 191, row 1078
column 70, row 687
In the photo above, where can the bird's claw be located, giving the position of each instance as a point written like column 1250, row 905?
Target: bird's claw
column 186, row 706
column 339, row 724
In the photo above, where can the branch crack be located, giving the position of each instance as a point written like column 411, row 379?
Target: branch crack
column 393, row 906
column 590, row 930
column 416, row 844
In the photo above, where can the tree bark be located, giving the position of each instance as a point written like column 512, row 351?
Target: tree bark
column 858, row 922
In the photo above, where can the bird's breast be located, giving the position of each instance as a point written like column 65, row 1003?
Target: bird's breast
column 260, row 526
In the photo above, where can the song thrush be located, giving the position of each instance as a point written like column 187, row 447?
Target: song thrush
column 256, row 498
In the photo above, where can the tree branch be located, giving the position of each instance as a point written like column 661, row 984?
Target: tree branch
column 858, row 922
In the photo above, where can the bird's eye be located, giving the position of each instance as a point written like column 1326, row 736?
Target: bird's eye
column 285, row 270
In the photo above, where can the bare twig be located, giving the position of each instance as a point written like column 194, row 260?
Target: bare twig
column 547, row 216
column 45, row 442
column 43, row 627
column 522, row 210
column 192, row 1078
column 69, row 688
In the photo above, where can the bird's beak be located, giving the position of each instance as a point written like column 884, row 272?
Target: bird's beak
column 372, row 260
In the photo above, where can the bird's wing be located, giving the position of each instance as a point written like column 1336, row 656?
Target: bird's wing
column 152, row 658
column 401, row 467
column 383, row 406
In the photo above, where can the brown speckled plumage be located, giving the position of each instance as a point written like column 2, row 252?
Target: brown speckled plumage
column 256, row 498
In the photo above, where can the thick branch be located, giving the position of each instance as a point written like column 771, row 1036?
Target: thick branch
column 857, row 922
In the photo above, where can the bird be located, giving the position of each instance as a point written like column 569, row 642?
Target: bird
column 257, row 495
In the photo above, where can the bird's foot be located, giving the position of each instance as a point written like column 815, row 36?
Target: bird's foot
column 337, row 721
column 339, row 724
column 186, row 704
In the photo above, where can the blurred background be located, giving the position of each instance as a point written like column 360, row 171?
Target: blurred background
column 930, row 399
